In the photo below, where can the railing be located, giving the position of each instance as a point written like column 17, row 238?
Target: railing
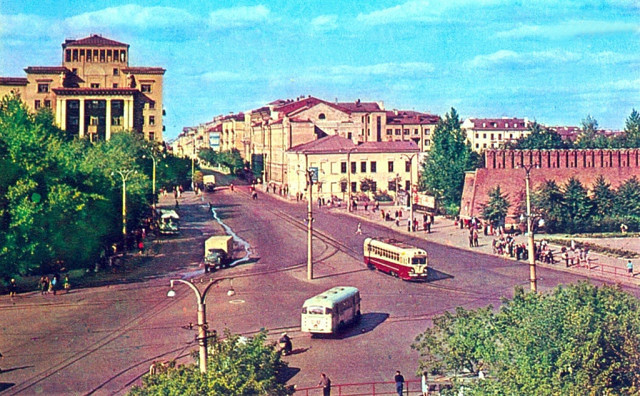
column 605, row 269
column 411, row 387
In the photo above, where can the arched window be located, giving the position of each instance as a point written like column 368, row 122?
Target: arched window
column 321, row 116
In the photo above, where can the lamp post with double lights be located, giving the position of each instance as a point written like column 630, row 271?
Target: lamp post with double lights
column 124, row 175
column 153, row 185
column 410, row 158
column 202, row 316
column 531, row 243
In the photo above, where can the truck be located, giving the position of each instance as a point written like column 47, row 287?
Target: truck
column 218, row 252
column 209, row 182
column 167, row 222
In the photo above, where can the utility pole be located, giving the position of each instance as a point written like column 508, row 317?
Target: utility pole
column 533, row 281
column 309, row 226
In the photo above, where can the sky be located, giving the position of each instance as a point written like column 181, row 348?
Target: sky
column 553, row 61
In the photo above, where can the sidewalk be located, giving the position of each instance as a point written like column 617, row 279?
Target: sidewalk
column 445, row 232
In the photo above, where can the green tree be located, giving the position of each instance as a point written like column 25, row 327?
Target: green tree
column 577, row 207
column 367, row 184
column 547, row 202
column 232, row 159
column 576, row 340
column 628, row 198
column 236, row 366
column 497, row 208
column 588, row 136
column 449, row 158
column 603, row 197
column 631, row 136
column 209, row 156
column 539, row 138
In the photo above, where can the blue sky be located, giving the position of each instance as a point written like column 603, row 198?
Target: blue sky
column 549, row 60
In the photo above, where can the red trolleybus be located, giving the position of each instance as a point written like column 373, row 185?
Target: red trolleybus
column 396, row 258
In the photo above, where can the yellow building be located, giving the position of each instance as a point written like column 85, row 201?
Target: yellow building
column 95, row 92
column 343, row 168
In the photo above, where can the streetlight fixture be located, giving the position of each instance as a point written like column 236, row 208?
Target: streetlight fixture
column 531, row 243
column 202, row 315
column 124, row 174
column 154, row 159
column 309, row 225
column 410, row 158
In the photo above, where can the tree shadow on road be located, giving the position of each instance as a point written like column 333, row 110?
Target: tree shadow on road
column 367, row 323
column 6, row 385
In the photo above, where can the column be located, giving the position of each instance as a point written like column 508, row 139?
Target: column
column 130, row 112
column 62, row 123
column 58, row 112
column 107, row 133
column 81, row 120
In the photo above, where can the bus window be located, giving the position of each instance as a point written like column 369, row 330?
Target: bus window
column 314, row 310
column 419, row 260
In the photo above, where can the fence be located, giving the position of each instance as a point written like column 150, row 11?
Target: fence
column 605, row 269
column 411, row 387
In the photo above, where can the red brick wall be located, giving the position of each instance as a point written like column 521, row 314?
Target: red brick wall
column 504, row 168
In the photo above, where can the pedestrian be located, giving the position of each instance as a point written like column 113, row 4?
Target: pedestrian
column 475, row 238
column 470, row 237
column 359, row 230
column 141, row 247
column 399, row 380
column 325, row 382
column 177, row 205
column 366, row 206
column 382, row 214
column 630, row 267
column 66, row 284
column 53, row 284
column 12, row 288
column 231, row 187
column 42, row 284
column 377, row 205
column 424, row 382
column 429, row 221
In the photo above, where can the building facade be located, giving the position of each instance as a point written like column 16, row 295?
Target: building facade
column 492, row 133
column 95, row 92
column 345, row 169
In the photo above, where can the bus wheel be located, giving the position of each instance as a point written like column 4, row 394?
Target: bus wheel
column 371, row 267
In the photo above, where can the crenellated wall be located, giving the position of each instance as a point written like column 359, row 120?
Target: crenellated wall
column 504, row 168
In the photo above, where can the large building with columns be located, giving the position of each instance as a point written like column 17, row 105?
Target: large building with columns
column 95, row 92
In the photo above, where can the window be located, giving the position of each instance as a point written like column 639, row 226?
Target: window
column 43, row 88
column 354, row 186
column 405, row 131
column 117, row 121
column 322, row 116
column 407, row 185
column 343, row 186
column 93, row 120
column 47, row 104
column 484, row 135
column 152, row 120
column 390, row 166
column 145, row 88
column 74, row 70
column 374, row 166
column 398, row 131
column 102, row 55
column 374, row 186
column 116, row 71
column 115, row 85
column 492, row 136
column 95, row 85
column 392, row 185
column 353, row 167
column 152, row 105
column 407, row 166
column 88, row 55
column 67, row 56
column 37, row 104
column 477, row 145
column 477, row 135
column 152, row 136
column 363, row 167
column 343, row 167
column 75, row 55
column 82, row 54
column 415, row 131
column 499, row 136
column 389, row 132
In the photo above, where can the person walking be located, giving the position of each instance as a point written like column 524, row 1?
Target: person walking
column 12, row 288
column 630, row 267
column 359, row 230
column 66, row 284
column 424, row 384
column 325, row 382
column 399, row 380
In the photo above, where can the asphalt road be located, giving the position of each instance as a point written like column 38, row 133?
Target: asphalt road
column 101, row 340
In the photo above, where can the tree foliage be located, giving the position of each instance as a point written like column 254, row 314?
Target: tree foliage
column 576, row 340
column 497, row 208
column 539, row 138
column 236, row 366
column 449, row 158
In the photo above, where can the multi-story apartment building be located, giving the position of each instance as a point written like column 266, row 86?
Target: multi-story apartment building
column 95, row 92
column 342, row 167
column 490, row 133
column 411, row 126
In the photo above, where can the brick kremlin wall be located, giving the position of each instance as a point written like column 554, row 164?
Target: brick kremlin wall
column 504, row 168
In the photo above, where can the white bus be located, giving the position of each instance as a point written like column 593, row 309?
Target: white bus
column 331, row 310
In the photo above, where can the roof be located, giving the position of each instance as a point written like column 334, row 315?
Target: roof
column 95, row 91
column 388, row 147
column 410, row 118
column 329, row 144
column 144, row 70
column 94, row 40
column 46, row 70
column 358, row 106
column 215, row 128
column 499, row 123
column 13, row 81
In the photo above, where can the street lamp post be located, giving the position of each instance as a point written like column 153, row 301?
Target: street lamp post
column 531, row 248
column 124, row 174
column 309, row 226
column 153, row 185
column 410, row 158
column 202, row 316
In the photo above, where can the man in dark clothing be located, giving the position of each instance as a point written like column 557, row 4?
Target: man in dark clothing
column 325, row 382
column 399, row 379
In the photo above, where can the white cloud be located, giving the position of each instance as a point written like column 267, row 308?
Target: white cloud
column 506, row 57
column 222, row 76
column 324, row 22
column 27, row 26
column 625, row 85
column 130, row 16
column 570, row 28
column 238, row 17
column 421, row 11
column 384, row 69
